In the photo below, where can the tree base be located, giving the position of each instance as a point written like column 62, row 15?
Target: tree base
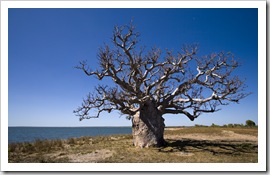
column 141, row 143
column 148, row 127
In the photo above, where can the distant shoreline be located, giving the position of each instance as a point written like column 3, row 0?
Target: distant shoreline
column 29, row 134
column 88, row 126
column 69, row 126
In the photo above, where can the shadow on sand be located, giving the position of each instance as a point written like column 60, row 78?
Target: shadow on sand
column 216, row 147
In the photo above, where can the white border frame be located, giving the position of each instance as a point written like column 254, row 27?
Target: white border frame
column 260, row 166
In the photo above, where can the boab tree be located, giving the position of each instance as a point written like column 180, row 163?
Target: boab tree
column 149, row 85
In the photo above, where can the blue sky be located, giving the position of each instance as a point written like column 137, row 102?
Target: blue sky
column 45, row 44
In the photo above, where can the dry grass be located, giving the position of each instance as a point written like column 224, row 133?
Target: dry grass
column 184, row 145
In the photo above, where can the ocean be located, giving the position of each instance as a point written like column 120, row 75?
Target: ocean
column 30, row 134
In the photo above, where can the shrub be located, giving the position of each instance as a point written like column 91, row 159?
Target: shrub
column 230, row 125
column 196, row 125
column 214, row 125
column 250, row 123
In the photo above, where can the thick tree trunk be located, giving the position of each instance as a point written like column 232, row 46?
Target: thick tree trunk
column 148, row 127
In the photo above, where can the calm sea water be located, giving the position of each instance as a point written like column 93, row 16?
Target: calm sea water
column 29, row 134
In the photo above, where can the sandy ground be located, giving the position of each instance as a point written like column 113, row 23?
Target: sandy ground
column 102, row 154
column 91, row 157
column 226, row 135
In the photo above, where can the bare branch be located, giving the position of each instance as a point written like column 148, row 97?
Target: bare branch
column 181, row 83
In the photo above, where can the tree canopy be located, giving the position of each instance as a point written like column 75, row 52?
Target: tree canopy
column 177, row 83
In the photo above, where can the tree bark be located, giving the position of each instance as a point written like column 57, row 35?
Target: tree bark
column 148, row 127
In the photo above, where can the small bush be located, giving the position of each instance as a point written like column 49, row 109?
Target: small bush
column 12, row 147
column 71, row 141
column 58, row 143
column 196, row 125
column 27, row 147
column 214, row 125
column 230, row 125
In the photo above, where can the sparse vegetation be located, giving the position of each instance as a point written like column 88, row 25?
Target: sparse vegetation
column 189, row 144
column 214, row 125
column 249, row 123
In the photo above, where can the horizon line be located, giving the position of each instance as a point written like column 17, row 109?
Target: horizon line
column 94, row 126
